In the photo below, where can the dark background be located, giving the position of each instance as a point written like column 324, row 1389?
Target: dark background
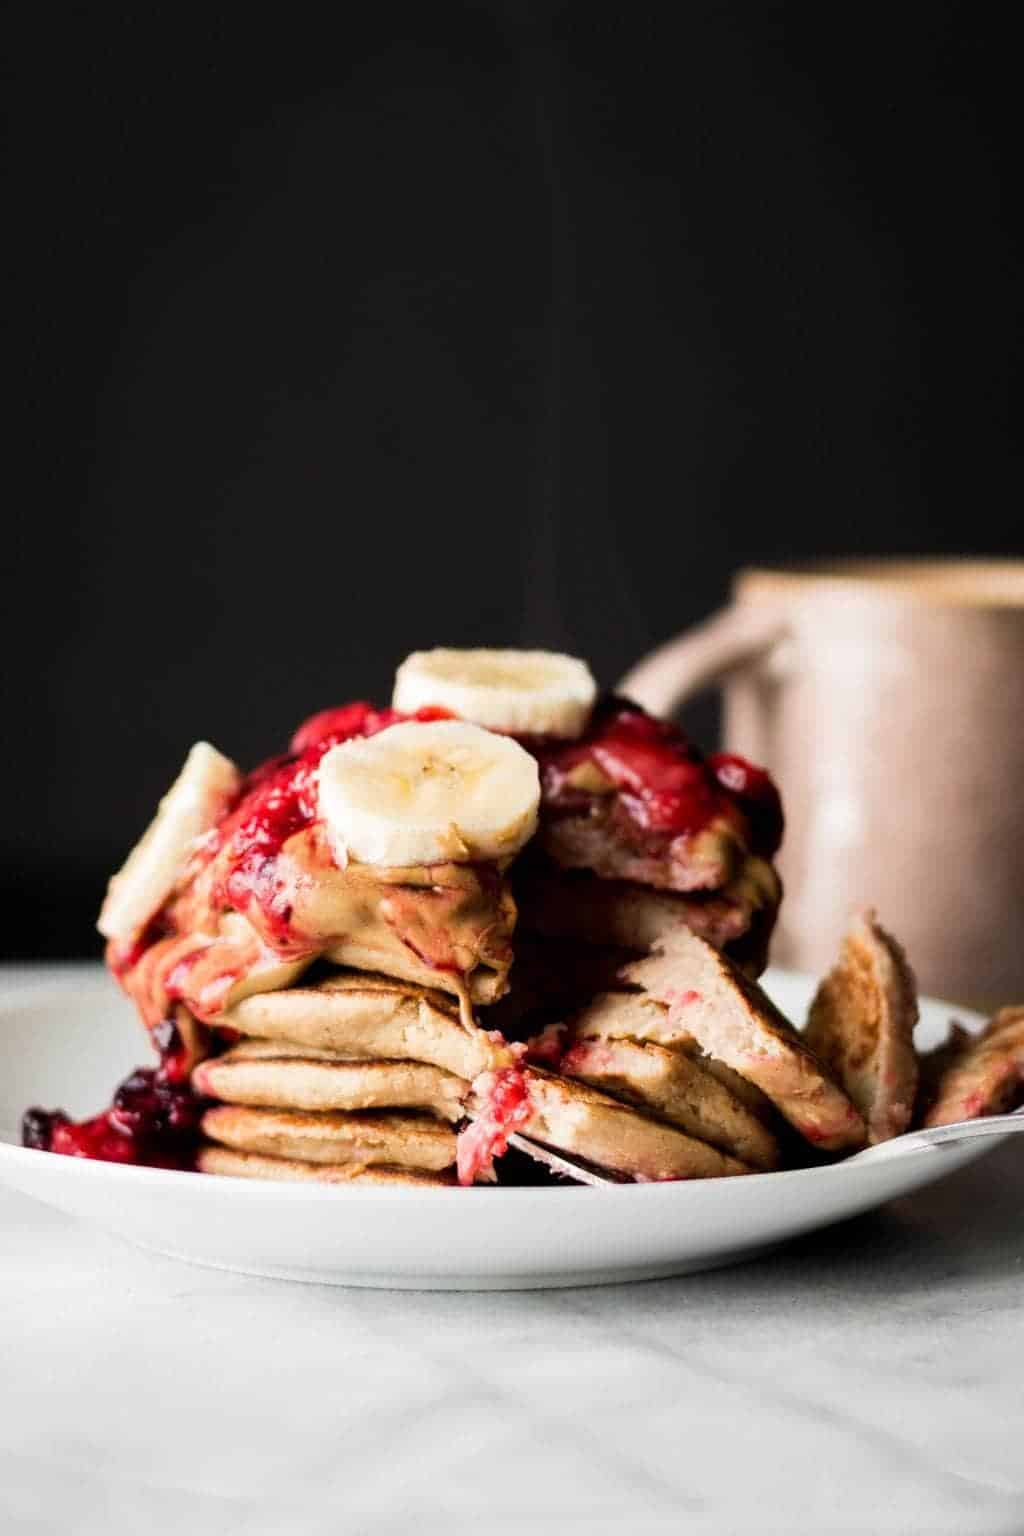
column 465, row 324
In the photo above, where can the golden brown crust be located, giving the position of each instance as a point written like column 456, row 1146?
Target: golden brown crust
column 248, row 1165
column 862, row 1022
column 667, row 1083
column 403, row 1141
column 280, row 1078
column 360, row 1014
column 709, row 1000
column 572, row 1117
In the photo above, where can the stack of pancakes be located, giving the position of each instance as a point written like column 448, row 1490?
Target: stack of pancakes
column 363, row 1078
column 672, row 1065
column 358, row 1078
column 628, row 1032
column 372, row 1071
column 502, row 908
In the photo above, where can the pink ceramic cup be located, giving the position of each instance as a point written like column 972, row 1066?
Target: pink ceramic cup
column 887, row 697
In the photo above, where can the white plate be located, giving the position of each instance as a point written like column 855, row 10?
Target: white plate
column 67, row 1037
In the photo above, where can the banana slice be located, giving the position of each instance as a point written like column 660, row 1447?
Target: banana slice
column 427, row 793
column 194, row 803
column 525, row 692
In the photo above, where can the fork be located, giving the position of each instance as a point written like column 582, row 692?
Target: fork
column 934, row 1137
column 938, row 1136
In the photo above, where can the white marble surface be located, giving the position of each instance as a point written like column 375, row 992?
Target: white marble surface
column 867, row 1379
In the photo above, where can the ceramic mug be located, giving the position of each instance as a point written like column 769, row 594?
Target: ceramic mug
column 887, row 698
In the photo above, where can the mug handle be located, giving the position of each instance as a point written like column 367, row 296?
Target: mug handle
column 730, row 639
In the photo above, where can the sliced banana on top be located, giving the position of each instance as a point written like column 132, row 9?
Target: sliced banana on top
column 428, row 793
column 195, row 802
column 526, row 692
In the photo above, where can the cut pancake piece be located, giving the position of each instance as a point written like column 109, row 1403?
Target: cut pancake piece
column 401, row 1141
column 574, row 904
column 287, row 1076
column 980, row 1075
column 934, row 1065
column 862, row 1022
column 623, row 1015
column 709, row 1000
column 740, row 1087
column 574, row 1118
column 668, row 1083
column 359, row 1014
column 250, row 1165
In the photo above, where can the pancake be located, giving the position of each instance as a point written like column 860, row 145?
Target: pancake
column 283, row 1050
column 360, row 1014
column 403, row 1141
column 980, row 1075
column 862, row 1022
column 669, row 1083
column 635, row 1015
column 574, row 1118
column 708, row 1000
column 248, row 1165
column 282, row 1076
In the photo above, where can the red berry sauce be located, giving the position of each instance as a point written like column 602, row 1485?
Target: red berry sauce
column 504, row 1100
column 278, row 799
column 664, row 785
column 758, row 798
column 153, row 1118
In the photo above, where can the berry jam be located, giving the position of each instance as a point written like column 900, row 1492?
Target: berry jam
column 153, row 1118
column 151, row 1121
column 174, row 1053
column 504, row 1107
column 758, row 798
column 547, row 1048
column 663, row 783
column 331, row 726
